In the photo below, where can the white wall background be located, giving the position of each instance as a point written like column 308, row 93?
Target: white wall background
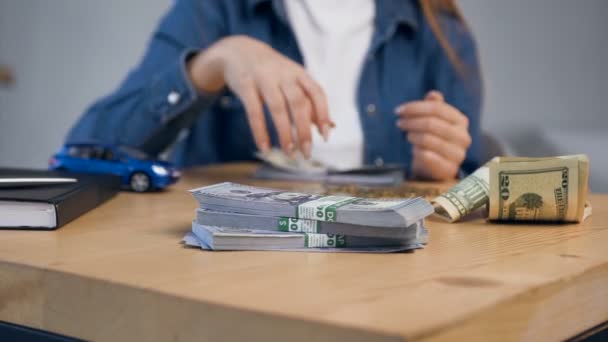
column 545, row 61
column 65, row 54
column 545, row 64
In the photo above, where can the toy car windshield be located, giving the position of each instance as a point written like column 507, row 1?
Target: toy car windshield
column 134, row 153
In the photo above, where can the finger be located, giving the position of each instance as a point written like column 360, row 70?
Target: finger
column 321, row 116
column 433, row 108
column 434, row 95
column 273, row 97
column 433, row 165
column 250, row 97
column 433, row 125
column 446, row 149
column 301, row 111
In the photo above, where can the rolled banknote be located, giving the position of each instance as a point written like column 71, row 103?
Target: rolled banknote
column 465, row 197
column 522, row 189
column 539, row 189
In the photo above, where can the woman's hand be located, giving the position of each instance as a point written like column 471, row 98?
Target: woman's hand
column 439, row 135
column 259, row 75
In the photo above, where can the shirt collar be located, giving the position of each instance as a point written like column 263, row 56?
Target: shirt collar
column 253, row 4
column 394, row 12
column 388, row 12
column 277, row 6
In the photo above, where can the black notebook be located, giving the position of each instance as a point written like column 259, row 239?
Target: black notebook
column 51, row 206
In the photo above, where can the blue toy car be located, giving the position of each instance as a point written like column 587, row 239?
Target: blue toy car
column 137, row 170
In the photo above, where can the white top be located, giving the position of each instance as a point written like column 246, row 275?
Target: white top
column 334, row 37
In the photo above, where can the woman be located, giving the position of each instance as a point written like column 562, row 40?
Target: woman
column 385, row 81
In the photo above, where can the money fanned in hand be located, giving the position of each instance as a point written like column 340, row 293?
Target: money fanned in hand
column 237, row 198
column 278, row 166
column 298, row 164
column 522, row 189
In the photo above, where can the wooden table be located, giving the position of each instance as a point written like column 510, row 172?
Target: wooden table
column 119, row 273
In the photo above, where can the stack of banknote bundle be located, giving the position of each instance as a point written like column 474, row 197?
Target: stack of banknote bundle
column 239, row 217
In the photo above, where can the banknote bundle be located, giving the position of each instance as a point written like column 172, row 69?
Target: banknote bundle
column 239, row 217
column 552, row 189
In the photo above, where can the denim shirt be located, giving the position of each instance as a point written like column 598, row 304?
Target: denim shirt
column 156, row 101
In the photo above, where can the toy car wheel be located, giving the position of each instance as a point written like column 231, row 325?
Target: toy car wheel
column 140, row 182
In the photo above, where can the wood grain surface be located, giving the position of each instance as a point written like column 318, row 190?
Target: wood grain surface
column 119, row 273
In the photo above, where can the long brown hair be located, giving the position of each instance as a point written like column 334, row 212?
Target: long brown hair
column 430, row 9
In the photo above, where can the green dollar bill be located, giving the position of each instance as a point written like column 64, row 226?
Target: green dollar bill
column 465, row 197
column 539, row 189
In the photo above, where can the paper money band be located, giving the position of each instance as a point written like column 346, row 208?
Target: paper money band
column 324, row 240
column 324, row 208
column 290, row 224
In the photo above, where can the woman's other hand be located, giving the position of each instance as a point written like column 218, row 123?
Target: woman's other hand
column 439, row 135
column 259, row 75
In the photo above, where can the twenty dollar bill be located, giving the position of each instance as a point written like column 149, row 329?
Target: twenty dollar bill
column 522, row 189
column 539, row 189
